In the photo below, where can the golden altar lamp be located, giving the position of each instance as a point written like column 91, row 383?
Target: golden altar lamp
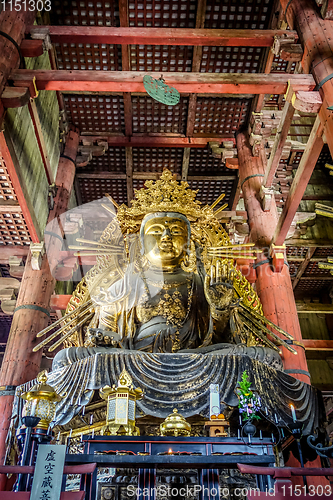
column 175, row 425
column 121, row 405
column 41, row 401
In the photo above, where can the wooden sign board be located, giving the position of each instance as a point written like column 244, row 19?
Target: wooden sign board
column 48, row 474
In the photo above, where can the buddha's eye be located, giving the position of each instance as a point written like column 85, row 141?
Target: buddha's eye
column 154, row 230
column 176, row 230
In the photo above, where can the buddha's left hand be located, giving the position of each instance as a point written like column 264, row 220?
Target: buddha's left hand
column 219, row 289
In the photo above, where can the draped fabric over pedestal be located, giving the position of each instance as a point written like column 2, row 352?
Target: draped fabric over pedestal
column 182, row 381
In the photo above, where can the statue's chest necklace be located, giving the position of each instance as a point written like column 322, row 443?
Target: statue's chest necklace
column 172, row 301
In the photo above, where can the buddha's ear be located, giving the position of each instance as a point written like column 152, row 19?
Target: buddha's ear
column 189, row 263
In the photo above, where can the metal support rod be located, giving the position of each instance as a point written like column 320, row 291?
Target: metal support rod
column 22, row 478
column 299, row 447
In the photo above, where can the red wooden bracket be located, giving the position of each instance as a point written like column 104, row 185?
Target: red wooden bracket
column 32, row 48
column 29, row 82
column 15, row 97
column 278, row 257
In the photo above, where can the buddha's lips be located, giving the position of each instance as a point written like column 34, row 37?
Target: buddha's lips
column 166, row 246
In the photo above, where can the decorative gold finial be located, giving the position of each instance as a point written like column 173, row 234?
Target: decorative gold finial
column 42, row 377
column 125, row 380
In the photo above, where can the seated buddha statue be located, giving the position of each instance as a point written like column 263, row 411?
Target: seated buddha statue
column 177, row 292
column 164, row 307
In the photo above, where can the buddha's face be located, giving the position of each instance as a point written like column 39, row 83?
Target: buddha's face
column 165, row 241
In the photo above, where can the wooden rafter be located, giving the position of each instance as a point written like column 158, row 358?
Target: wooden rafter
column 279, row 142
column 126, row 66
column 129, row 174
column 40, row 141
column 7, row 151
column 185, row 163
column 237, row 195
column 301, row 179
column 196, row 62
column 132, row 81
column 259, row 99
column 303, row 266
column 164, row 36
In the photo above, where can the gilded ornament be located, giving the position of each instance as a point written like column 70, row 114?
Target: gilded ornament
column 41, row 401
column 175, row 425
column 121, row 406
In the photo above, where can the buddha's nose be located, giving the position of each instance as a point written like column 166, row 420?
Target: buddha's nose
column 166, row 235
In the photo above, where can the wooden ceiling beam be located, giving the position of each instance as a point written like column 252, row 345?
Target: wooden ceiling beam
column 153, row 141
column 305, row 242
column 7, row 251
column 314, row 308
column 318, row 345
column 164, row 36
column 317, row 277
column 152, row 176
column 132, row 81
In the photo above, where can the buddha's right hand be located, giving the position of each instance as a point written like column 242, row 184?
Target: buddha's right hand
column 219, row 290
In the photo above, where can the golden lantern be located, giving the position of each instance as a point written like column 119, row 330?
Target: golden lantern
column 41, row 401
column 121, row 405
column 175, row 425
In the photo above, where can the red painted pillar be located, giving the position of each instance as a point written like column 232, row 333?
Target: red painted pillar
column 13, row 23
column 274, row 289
column 315, row 35
column 64, row 182
column 31, row 315
column 20, row 363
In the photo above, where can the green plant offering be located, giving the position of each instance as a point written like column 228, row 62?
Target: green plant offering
column 249, row 403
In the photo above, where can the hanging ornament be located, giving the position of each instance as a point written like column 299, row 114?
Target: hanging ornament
column 159, row 91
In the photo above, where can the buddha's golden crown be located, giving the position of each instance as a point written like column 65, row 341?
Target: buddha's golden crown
column 164, row 195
